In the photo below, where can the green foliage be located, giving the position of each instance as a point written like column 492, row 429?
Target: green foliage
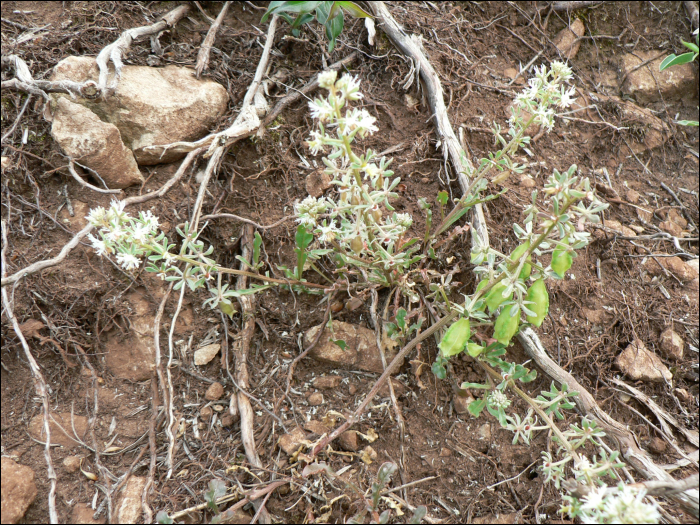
column 328, row 14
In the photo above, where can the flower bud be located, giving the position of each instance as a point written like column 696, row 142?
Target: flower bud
column 356, row 244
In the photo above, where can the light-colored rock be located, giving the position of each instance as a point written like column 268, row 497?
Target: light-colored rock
column 566, row 40
column 58, row 436
column 657, row 445
column 95, row 144
column 316, row 399
column 618, row 227
column 672, row 228
column 71, row 464
column 152, row 106
column 672, row 344
column 527, row 182
column 291, row 442
column 214, row 392
column 317, row 427
column 18, row 490
column 461, row 403
column 206, row 353
column 361, row 347
column 645, row 83
column 129, row 503
column 640, row 364
column 132, row 356
column 327, row 382
column 317, row 182
column 632, row 196
column 674, row 216
column 675, row 265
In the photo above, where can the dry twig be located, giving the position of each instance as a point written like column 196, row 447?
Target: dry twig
column 205, row 49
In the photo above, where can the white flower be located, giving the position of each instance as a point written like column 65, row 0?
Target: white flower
column 594, row 499
column 141, row 233
column 128, row 261
column 566, row 97
column 168, row 258
column 349, row 87
column 498, row 399
column 116, row 212
column 115, row 233
column 327, row 233
column 99, row 245
column 321, row 109
column 326, row 79
column 150, row 220
column 403, row 219
column 97, row 216
column 561, row 70
column 315, row 142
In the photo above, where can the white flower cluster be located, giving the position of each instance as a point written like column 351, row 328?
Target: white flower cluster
column 358, row 220
column 625, row 505
column 545, row 88
column 498, row 399
column 122, row 234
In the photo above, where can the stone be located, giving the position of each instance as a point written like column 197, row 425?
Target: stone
column 18, row 490
column 128, row 507
column 83, row 515
column 618, row 227
column 632, row 196
column 71, row 464
column 676, row 217
column 445, row 452
column 132, row 356
column 483, row 436
column 291, row 442
column 360, row 352
column 676, row 83
column 685, row 272
column 214, row 392
column 317, row 182
column 672, row 344
column 597, row 317
column 501, row 519
column 58, row 436
column 348, row 441
column 527, row 182
column 567, row 42
column 94, row 144
column 352, row 389
column 657, row 445
column 683, row 395
column 317, row 427
column 151, row 106
column 205, row 354
column 316, row 399
column 672, row 228
column 327, row 382
column 461, row 403
column 639, row 364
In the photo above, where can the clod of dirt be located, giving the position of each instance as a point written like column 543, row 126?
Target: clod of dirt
column 632, row 196
column 640, row 364
column 657, row 445
column 327, row 382
column 618, row 227
column 151, row 106
column 290, row 443
column 214, row 392
column 18, row 490
column 203, row 355
column 672, row 228
column 527, row 182
column 82, row 135
column 672, row 344
column 71, row 464
column 58, row 436
column 445, row 452
column 360, row 351
column 483, row 436
column 682, row 394
column 501, row 519
column 567, row 42
column 675, row 265
column 348, row 441
column 399, row 388
column 461, row 403
column 82, row 515
column 317, row 182
column 129, row 504
column 646, row 82
column 316, row 399
column 317, row 427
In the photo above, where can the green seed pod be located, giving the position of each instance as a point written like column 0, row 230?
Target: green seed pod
column 515, row 258
column 506, row 326
column 537, row 293
column 356, row 244
column 376, row 215
column 455, row 339
column 495, row 298
column 561, row 260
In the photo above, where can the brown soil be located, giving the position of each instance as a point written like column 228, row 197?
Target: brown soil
column 85, row 304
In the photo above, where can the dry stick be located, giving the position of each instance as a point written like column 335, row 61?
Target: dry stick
column 627, row 443
column 17, row 119
column 47, row 263
column 693, row 13
column 39, row 383
column 685, row 210
column 79, row 179
column 116, row 49
column 205, row 49
column 241, row 349
column 450, row 144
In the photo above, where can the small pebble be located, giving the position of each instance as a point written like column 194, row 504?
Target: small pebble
column 657, row 445
column 214, row 392
column 316, row 399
